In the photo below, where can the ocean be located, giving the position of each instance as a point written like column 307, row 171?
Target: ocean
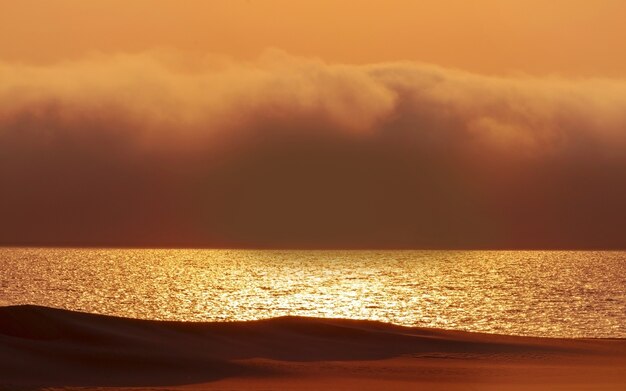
column 533, row 293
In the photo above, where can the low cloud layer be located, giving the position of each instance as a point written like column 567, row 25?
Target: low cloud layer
column 162, row 149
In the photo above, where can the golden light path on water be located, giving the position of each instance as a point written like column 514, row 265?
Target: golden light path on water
column 567, row 294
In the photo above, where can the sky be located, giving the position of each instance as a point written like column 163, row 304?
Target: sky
column 570, row 37
column 313, row 124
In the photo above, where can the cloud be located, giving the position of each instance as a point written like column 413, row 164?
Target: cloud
column 160, row 148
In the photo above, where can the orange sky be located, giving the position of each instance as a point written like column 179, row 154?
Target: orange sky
column 571, row 37
column 345, row 135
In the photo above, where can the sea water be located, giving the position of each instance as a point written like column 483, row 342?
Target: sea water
column 538, row 293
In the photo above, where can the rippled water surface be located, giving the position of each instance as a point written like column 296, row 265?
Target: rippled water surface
column 569, row 294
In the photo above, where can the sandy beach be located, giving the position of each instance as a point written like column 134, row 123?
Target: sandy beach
column 46, row 348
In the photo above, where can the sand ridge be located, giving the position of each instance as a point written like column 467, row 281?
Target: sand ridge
column 44, row 347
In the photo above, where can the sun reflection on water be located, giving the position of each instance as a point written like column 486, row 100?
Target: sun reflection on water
column 528, row 293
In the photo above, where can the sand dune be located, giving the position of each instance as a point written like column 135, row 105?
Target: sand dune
column 44, row 348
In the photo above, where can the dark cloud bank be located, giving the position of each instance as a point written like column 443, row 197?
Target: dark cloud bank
column 160, row 150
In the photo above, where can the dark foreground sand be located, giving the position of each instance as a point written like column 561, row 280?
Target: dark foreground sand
column 45, row 348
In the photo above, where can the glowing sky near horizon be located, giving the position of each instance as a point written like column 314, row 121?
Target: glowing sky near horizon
column 161, row 123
